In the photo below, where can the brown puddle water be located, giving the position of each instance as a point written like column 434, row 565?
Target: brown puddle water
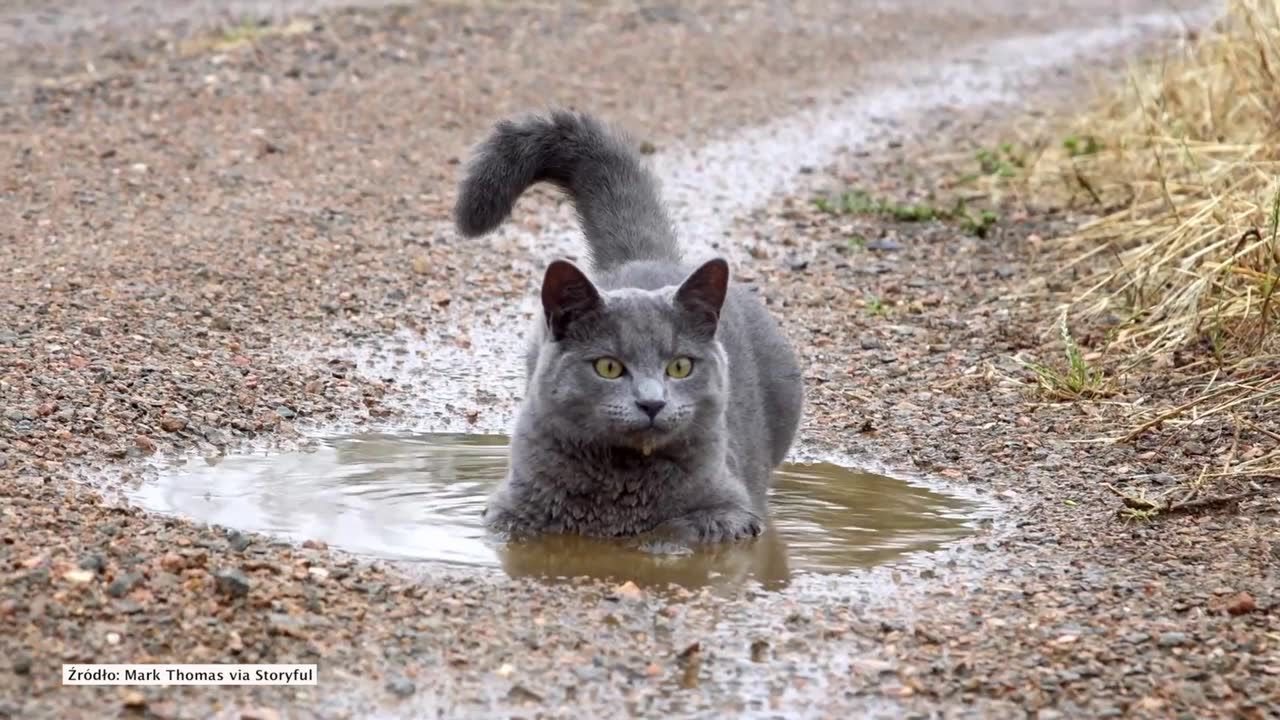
column 418, row 498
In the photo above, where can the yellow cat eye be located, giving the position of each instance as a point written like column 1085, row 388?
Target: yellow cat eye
column 609, row 368
column 680, row 367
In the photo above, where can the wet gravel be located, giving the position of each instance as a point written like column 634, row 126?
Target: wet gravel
column 190, row 236
column 913, row 330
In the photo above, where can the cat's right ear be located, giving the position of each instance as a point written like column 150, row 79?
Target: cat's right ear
column 567, row 295
column 702, row 295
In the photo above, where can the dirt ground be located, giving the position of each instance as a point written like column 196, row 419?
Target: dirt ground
column 192, row 219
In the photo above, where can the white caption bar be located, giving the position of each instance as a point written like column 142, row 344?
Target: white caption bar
column 188, row 674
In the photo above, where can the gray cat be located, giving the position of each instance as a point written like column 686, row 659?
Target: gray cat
column 660, row 397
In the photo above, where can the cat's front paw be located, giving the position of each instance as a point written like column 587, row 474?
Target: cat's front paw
column 716, row 525
column 509, row 525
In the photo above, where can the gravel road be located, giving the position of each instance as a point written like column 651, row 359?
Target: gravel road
column 219, row 237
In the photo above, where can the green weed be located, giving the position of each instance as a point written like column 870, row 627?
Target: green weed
column 245, row 32
column 1079, row 381
column 980, row 224
column 1138, row 515
column 1077, row 146
column 911, row 213
column 859, row 202
column 248, row 31
column 1004, row 160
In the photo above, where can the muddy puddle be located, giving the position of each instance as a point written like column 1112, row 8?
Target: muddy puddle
column 418, row 498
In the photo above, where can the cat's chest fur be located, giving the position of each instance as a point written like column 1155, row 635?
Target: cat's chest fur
column 608, row 492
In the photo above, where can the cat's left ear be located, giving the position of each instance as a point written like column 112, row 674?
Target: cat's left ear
column 702, row 295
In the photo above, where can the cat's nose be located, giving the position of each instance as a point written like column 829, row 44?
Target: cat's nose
column 651, row 407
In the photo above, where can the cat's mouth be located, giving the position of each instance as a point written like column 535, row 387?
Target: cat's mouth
column 648, row 439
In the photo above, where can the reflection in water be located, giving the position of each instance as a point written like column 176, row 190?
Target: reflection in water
column 420, row 497
column 568, row 556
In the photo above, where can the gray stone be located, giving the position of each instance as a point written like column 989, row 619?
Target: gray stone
column 122, row 585
column 238, row 540
column 884, row 245
column 401, row 686
column 232, row 583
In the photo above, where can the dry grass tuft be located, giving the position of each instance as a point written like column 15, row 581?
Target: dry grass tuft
column 1181, row 173
column 1186, row 167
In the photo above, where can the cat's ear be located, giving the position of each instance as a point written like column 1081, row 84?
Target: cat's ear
column 567, row 295
column 702, row 295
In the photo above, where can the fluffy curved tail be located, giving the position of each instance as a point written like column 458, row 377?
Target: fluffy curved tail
column 615, row 196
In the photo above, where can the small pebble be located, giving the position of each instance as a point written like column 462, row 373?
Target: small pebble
column 884, row 245
column 401, row 686
column 1241, row 604
column 238, row 540
column 122, row 585
column 173, row 562
column 232, row 583
column 629, row 591
column 79, row 576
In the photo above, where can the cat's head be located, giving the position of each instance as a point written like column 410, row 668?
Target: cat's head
column 631, row 367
